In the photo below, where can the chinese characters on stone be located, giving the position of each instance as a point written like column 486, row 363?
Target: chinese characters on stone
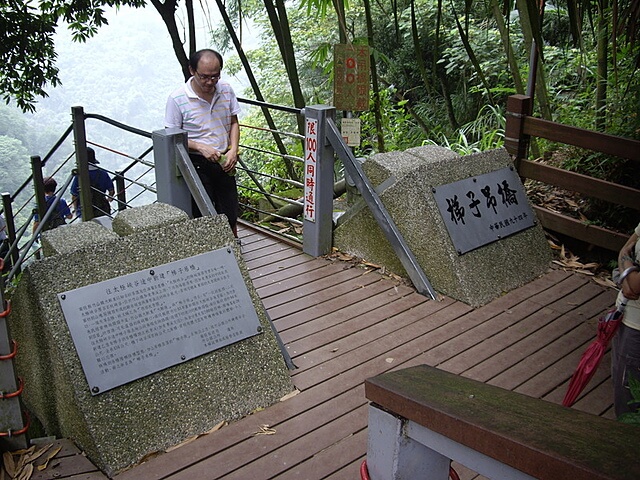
column 136, row 320
column 485, row 201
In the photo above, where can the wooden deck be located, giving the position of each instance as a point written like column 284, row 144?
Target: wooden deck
column 343, row 323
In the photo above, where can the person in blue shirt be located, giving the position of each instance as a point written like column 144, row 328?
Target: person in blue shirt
column 101, row 185
column 61, row 214
column 4, row 245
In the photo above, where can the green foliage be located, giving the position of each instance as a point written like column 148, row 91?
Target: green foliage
column 400, row 130
column 260, row 154
column 27, row 52
column 485, row 133
column 632, row 418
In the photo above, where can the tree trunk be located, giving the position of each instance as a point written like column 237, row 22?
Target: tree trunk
column 191, row 27
column 167, row 12
column 602, row 75
column 256, row 89
column 506, row 42
column 374, row 80
column 529, row 21
column 280, row 23
column 338, row 6
column 292, row 211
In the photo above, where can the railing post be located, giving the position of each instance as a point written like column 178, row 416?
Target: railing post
column 170, row 184
column 318, row 182
column 515, row 141
column 38, row 186
column 393, row 455
column 11, row 227
column 121, row 194
column 82, row 164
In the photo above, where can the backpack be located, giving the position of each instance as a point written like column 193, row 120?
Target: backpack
column 56, row 219
column 99, row 203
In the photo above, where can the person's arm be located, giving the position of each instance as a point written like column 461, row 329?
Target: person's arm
column 108, row 186
column 64, row 209
column 207, row 151
column 631, row 284
column 234, row 145
column 173, row 119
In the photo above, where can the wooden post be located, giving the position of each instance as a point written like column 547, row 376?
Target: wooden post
column 515, row 141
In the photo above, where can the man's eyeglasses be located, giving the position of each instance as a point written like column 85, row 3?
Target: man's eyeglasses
column 204, row 78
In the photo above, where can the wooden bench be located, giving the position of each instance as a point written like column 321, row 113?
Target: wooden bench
column 421, row 418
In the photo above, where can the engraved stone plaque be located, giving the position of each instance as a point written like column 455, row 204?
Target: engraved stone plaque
column 483, row 209
column 132, row 326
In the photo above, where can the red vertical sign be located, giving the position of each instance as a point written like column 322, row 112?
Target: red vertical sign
column 310, row 166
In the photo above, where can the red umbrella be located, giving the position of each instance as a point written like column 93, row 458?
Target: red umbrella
column 588, row 364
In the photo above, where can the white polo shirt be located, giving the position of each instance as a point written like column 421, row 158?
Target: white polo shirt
column 205, row 122
column 632, row 312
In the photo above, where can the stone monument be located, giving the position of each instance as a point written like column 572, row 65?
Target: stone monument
column 464, row 266
column 116, row 409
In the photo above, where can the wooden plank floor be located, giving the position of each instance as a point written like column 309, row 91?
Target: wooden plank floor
column 343, row 323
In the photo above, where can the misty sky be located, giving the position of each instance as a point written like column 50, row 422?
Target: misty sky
column 133, row 51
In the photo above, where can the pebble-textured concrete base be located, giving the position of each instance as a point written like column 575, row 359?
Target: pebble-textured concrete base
column 404, row 181
column 121, row 426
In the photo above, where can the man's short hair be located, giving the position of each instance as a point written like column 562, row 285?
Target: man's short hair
column 195, row 57
column 50, row 185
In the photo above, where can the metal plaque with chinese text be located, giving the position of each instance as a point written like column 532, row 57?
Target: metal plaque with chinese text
column 480, row 210
column 132, row 326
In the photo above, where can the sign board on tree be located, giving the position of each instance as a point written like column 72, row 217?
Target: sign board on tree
column 351, row 77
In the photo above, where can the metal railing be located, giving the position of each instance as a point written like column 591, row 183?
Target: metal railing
column 135, row 182
column 172, row 178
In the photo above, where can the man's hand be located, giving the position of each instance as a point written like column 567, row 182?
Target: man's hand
column 631, row 284
column 231, row 160
column 207, row 151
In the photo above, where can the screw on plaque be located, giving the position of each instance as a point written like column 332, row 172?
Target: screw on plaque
column 183, row 357
column 63, row 297
column 259, row 328
column 95, row 390
column 151, row 272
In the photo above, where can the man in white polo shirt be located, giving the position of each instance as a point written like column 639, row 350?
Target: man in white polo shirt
column 207, row 108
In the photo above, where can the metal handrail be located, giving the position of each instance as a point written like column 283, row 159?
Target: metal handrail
column 245, row 172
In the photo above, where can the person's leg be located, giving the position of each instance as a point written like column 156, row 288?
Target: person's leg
column 205, row 174
column 4, row 249
column 625, row 361
column 225, row 196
